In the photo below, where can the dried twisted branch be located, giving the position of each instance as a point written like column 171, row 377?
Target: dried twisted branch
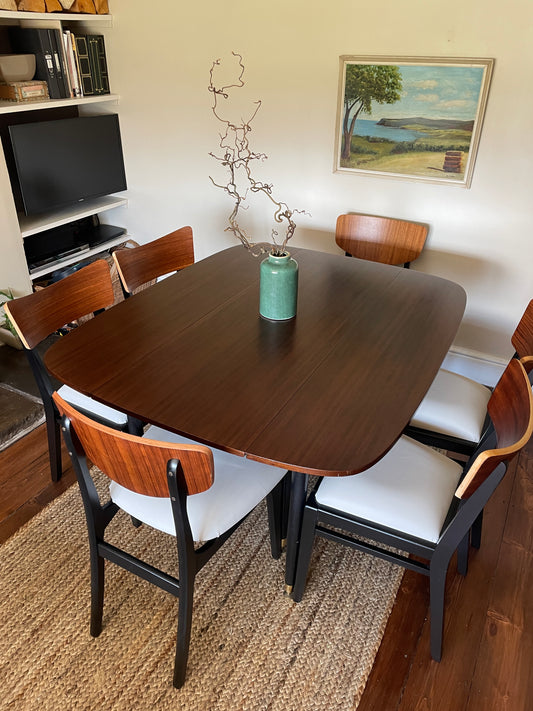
column 238, row 158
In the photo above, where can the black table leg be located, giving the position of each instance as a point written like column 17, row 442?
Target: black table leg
column 296, row 510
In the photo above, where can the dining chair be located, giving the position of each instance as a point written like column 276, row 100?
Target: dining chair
column 46, row 311
column 380, row 239
column 418, row 501
column 453, row 414
column 139, row 265
column 174, row 485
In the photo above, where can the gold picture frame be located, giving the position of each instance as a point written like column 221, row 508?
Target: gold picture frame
column 411, row 118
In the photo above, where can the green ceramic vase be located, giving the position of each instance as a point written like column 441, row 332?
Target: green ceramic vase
column 278, row 287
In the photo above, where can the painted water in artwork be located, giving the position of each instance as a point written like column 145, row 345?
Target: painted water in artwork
column 413, row 120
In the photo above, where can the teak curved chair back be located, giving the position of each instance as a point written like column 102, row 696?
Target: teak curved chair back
column 140, row 265
column 511, row 412
column 522, row 338
column 380, row 239
column 136, row 463
column 42, row 313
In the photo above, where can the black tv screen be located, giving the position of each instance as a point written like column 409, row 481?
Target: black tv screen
column 64, row 162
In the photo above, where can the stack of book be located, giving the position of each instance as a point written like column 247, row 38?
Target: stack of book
column 72, row 65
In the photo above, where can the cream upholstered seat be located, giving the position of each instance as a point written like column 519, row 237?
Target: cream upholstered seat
column 409, row 490
column 452, row 415
column 454, row 405
column 419, row 501
column 175, row 485
column 239, row 485
column 93, row 407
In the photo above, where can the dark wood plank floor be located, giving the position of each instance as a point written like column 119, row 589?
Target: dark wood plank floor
column 25, row 483
column 487, row 662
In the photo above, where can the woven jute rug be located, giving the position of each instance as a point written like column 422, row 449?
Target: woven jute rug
column 252, row 648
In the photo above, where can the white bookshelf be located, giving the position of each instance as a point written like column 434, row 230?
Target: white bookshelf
column 31, row 225
column 11, row 107
column 14, row 271
column 16, row 17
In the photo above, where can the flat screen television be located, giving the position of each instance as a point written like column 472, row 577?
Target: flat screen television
column 64, row 162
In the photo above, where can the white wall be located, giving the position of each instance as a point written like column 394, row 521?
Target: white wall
column 160, row 56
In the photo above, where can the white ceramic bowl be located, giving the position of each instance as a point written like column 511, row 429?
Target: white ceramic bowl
column 17, row 67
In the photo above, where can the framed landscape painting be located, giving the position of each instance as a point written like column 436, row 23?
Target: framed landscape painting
column 411, row 118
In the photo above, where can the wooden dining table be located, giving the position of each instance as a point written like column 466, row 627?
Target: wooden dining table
column 326, row 393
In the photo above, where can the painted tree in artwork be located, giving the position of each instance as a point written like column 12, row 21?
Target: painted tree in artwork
column 364, row 84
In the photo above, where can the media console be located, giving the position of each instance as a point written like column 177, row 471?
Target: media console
column 53, row 246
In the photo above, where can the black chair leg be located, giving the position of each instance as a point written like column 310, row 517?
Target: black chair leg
column 476, row 531
column 437, row 585
column 184, row 628
column 285, row 505
column 462, row 554
column 53, row 433
column 307, row 539
column 135, row 427
column 97, row 593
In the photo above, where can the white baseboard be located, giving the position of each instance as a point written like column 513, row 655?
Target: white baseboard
column 481, row 367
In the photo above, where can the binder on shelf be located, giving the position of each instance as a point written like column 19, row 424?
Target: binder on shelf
column 59, row 63
column 35, row 40
column 84, row 65
column 93, row 64
column 98, row 63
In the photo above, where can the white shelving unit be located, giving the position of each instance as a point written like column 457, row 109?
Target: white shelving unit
column 9, row 107
column 101, row 20
column 31, row 225
column 14, row 271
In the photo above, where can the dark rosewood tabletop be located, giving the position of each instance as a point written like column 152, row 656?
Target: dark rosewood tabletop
column 328, row 392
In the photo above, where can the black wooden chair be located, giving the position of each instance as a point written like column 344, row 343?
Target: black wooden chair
column 453, row 414
column 172, row 484
column 380, row 239
column 419, row 501
column 42, row 313
column 143, row 264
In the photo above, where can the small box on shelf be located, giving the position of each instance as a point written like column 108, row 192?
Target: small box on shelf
column 24, row 91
